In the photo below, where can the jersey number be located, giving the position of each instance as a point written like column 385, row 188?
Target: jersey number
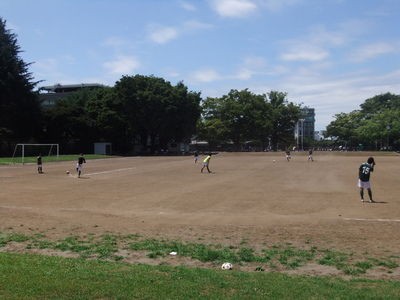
column 365, row 170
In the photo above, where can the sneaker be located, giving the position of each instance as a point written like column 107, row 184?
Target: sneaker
column 362, row 200
column 371, row 201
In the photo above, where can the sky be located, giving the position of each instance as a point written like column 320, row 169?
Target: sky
column 330, row 55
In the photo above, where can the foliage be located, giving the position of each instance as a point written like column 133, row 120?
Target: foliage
column 242, row 116
column 138, row 109
column 376, row 125
column 158, row 111
column 19, row 106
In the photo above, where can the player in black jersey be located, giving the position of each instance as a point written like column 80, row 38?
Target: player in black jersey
column 81, row 161
column 364, row 173
column 39, row 164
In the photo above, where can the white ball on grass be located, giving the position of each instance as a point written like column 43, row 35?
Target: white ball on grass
column 226, row 266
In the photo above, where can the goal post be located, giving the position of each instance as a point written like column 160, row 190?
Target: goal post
column 28, row 150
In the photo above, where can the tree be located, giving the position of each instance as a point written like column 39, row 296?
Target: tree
column 344, row 128
column 107, row 121
column 19, row 105
column 69, row 124
column 241, row 116
column 284, row 116
column 156, row 111
column 238, row 117
column 376, row 125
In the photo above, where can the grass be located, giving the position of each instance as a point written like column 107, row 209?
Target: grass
column 32, row 159
column 26, row 276
column 276, row 257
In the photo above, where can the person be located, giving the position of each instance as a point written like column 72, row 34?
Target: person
column 81, row 161
column 196, row 156
column 364, row 173
column 310, row 157
column 206, row 163
column 288, row 157
column 39, row 164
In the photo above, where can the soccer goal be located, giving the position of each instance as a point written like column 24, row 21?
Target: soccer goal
column 28, row 152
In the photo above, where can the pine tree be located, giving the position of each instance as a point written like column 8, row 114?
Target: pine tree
column 19, row 104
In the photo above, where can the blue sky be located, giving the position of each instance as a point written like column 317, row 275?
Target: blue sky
column 328, row 54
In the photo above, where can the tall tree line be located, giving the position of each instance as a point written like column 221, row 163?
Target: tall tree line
column 139, row 110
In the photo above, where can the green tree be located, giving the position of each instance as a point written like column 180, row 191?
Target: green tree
column 241, row 116
column 344, row 128
column 156, row 111
column 69, row 124
column 19, row 105
column 376, row 125
column 284, row 116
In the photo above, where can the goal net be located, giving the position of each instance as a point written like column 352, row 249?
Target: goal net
column 24, row 153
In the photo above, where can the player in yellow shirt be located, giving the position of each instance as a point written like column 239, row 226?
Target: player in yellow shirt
column 206, row 162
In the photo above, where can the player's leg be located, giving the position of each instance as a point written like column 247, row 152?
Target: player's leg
column 208, row 169
column 362, row 194
column 370, row 195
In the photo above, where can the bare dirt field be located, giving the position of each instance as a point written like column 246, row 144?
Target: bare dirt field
column 257, row 197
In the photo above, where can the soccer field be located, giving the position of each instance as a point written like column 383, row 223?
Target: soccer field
column 247, row 197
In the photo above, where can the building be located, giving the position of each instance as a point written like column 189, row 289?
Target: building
column 305, row 127
column 49, row 95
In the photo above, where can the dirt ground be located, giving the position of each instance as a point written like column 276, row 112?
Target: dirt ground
column 257, row 197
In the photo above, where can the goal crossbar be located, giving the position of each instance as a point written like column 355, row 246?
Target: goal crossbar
column 23, row 149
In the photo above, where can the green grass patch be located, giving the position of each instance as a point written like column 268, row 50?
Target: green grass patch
column 277, row 257
column 6, row 238
column 25, row 276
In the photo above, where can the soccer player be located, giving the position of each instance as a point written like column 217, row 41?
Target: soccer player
column 288, row 157
column 81, row 161
column 310, row 152
column 364, row 173
column 206, row 162
column 39, row 164
column 196, row 156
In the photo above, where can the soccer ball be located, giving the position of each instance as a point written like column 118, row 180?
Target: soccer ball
column 226, row 266
column 67, row 172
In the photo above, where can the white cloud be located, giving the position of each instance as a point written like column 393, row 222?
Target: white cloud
column 372, row 50
column 330, row 95
column 162, row 35
column 205, row 75
column 305, row 53
column 234, row 8
column 316, row 44
column 122, row 65
column 187, row 6
column 251, row 66
column 115, row 42
column 276, row 5
column 196, row 25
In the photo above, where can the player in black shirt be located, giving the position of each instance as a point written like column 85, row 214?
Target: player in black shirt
column 39, row 164
column 81, row 161
column 310, row 153
column 364, row 173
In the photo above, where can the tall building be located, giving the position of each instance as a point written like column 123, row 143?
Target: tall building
column 49, row 95
column 305, row 127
